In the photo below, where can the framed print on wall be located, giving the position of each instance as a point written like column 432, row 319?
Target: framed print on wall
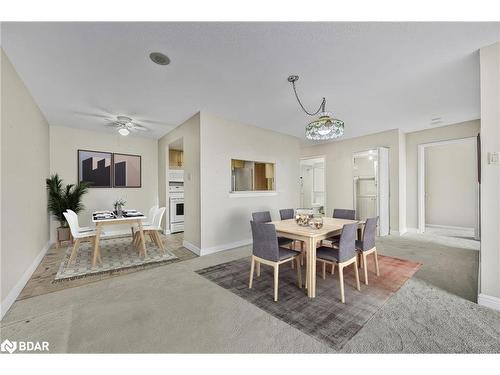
column 127, row 171
column 95, row 167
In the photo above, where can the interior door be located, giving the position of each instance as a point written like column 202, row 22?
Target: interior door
column 383, row 191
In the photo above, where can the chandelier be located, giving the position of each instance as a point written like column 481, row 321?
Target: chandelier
column 325, row 126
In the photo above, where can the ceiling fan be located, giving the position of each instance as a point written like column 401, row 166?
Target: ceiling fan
column 125, row 125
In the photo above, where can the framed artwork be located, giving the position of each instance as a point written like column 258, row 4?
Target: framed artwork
column 126, row 171
column 95, row 167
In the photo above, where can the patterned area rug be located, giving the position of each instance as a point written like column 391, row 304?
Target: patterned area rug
column 324, row 317
column 116, row 253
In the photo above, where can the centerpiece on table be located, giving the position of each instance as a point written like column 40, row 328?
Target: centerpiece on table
column 303, row 216
column 119, row 207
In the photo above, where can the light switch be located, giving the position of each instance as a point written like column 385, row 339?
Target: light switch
column 494, row 157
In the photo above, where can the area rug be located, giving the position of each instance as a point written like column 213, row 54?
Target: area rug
column 116, row 253
column 324, row 317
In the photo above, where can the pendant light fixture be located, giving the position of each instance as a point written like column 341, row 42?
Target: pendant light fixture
column 325, row 126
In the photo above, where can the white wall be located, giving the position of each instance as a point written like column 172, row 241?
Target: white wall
column 490, row 177
column 443, row 133
column 451, row 184
column 64, row 143
column 189, row 131
column 24, row 167
column 339, row 169
column 226, row 218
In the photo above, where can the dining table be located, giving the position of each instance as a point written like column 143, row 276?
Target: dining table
column 310, row 237
column 106, row 218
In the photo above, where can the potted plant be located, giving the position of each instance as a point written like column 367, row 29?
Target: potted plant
column 119, row 207
column 62, row 198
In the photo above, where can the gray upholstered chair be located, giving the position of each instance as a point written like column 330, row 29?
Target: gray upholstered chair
column 265, row 217
column 341, row 213
column 342, row 254
column 267, row 251
column 287, row 213
column 367, row 246
column 261, row 217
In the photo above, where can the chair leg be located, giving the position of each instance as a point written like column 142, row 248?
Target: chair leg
column 341, row 280
column 252, row 267
column 299, row 272
column 153, row 240
column 75, row 250
column 324, row 270
column 276, row 274
column 333, row 268
column 356, row 272
column 365, row 268
column 132, row 230
column 376, row 262
column 258, row 269
column 160, row 241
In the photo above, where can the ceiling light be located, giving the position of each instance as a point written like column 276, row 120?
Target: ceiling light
column 124, row 131
column 159, row 58
column 323, row 128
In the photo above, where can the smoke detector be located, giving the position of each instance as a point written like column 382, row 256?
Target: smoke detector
column 159, row 58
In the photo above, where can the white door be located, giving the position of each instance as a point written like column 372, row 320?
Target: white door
column 383, row 191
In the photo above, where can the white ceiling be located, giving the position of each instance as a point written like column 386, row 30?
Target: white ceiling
column 375, row 76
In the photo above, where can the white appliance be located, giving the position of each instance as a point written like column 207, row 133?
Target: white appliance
column 176, row 212
column 176, row 175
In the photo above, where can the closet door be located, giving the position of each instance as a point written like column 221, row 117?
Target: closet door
column 383, row 191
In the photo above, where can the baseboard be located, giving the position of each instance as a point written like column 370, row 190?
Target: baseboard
column 488, row 301
column 228, row 246
column 395, row 232
column 193, row 248
column 6, row 304
column 411, row 230
column 448, row 227
column 166, row 231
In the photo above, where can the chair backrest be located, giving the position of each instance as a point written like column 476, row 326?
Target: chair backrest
column 341, row 213
column 261, row 217
column 157, row 217
column 152, row 212
column 75, row 216
column 347, row 242
column 265, row 241
column 369, row 233
column 287, row 213
column 72, row 222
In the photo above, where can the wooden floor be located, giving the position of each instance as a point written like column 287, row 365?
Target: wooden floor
column 41, row 281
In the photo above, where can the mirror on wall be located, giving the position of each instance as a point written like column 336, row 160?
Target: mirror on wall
column 249, row 175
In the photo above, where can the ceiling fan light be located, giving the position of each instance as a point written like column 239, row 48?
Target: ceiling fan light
column 124, row 131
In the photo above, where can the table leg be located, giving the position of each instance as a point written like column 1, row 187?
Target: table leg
column 96, row 244
column 311, row 267
column 141, row 234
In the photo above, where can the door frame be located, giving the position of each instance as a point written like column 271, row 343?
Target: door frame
column 324, row 177
column 421, row 179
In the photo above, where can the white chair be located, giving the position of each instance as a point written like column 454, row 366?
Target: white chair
column 80, row 229
column 149, row 218
column 77, row 235
column 153, row 229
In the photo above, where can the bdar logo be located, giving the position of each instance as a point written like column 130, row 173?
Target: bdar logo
column 8, row 346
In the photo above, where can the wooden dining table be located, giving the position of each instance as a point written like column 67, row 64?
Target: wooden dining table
column 310, row 237
column 117, row 220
